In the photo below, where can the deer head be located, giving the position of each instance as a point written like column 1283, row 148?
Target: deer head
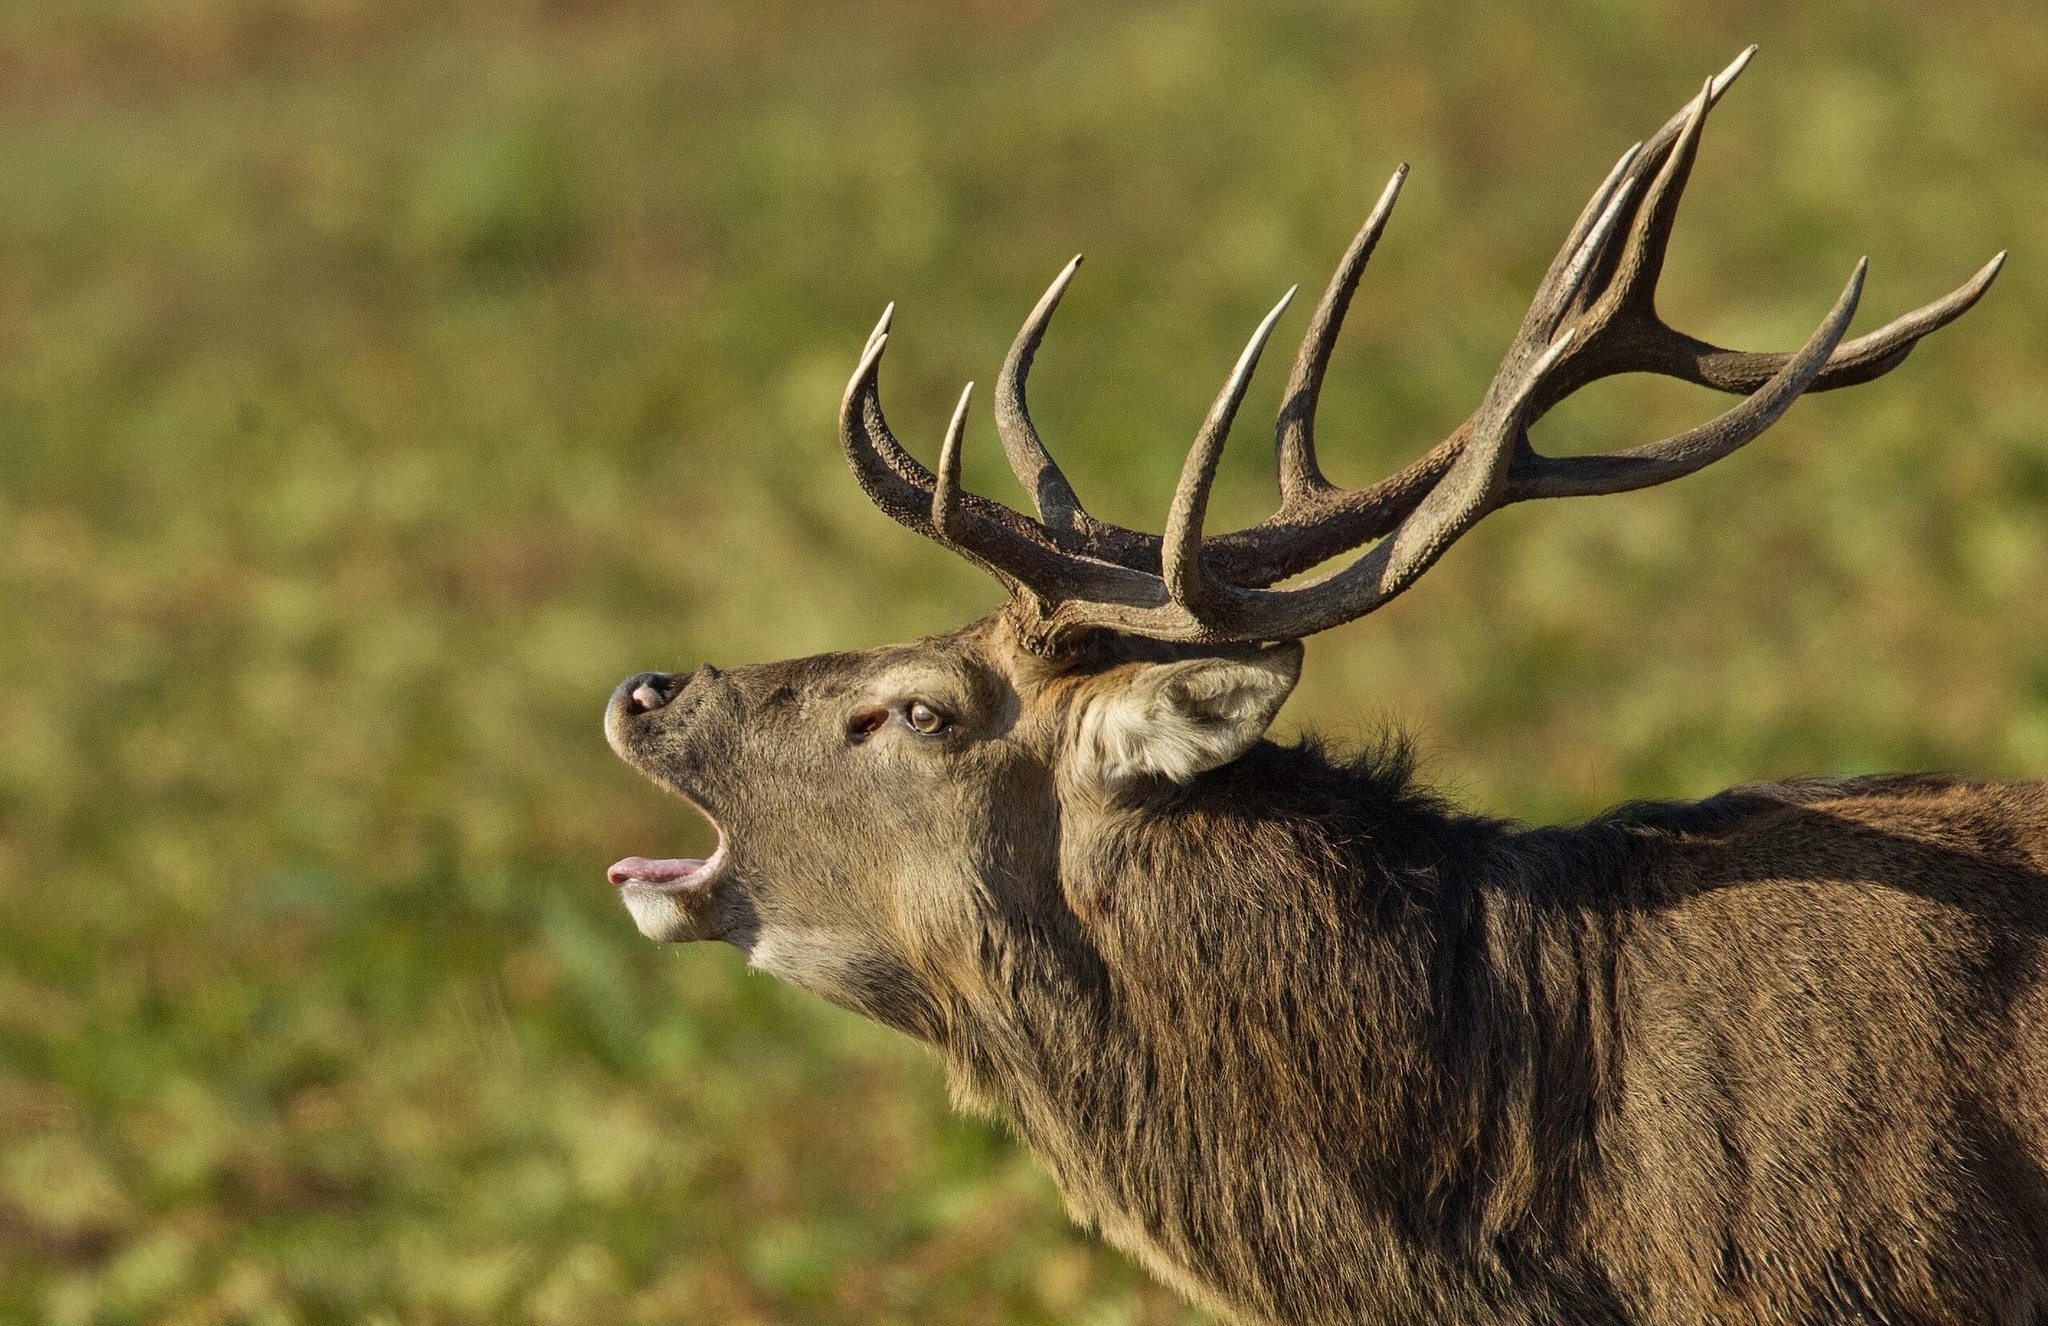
column 886, row 818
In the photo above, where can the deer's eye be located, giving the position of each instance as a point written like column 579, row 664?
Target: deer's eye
column 926, row 719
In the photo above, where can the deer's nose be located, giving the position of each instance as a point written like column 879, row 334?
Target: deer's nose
column 650, row 691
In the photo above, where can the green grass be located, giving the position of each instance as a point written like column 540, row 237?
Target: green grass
column 379, row 383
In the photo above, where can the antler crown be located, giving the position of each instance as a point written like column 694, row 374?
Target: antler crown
column 1593, row 316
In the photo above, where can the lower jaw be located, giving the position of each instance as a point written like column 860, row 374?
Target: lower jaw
column 670, row 918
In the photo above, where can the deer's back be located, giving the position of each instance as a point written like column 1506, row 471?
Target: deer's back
column 1834, row 1056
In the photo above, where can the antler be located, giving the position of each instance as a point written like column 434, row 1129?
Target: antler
column 1594, row 315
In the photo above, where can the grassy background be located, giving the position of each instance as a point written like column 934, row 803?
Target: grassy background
column 381, row 381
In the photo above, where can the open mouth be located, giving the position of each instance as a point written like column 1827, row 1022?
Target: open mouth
column 668, row 875
column 672, row 899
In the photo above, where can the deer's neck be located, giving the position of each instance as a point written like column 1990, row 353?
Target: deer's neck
column 1311, row 1068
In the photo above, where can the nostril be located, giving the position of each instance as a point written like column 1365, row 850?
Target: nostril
column 649, row 691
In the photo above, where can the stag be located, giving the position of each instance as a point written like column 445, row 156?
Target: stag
column 1310, row 1044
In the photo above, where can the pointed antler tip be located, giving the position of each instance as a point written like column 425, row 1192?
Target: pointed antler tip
column 863, row 382
column 1719, row 82
column 1034, row 326
column 1384, row 206
column 1851, row 296
column 946, row 485
column 1854, row 290
column 1257, row 344
column 1980, row 281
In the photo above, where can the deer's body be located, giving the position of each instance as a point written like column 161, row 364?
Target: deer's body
column 1311, row 1046
column 1781, row 1056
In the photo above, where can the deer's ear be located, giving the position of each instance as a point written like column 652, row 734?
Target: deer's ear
column 1176, row 720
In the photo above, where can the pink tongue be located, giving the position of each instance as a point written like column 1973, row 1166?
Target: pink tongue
column 652, row 872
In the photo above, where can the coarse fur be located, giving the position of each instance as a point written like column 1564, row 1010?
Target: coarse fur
column 1316, row 1048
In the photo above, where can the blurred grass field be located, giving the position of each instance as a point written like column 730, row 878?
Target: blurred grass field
column 380, row 382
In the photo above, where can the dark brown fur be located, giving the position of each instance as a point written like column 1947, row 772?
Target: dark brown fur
column 1316, row 1048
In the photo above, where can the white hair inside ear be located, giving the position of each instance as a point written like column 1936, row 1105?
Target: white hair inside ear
column 1177, row 720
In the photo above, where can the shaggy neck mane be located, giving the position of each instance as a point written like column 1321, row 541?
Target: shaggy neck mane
column 1301, row 1005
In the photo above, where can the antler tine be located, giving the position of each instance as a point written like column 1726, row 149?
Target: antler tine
column 1616, row 311
column 1719, row 83
column 1556, row 296
column 1642, row 260
column 1871, row 355
column 1017, row 550
column 881, row 327
column 1301, row 479
column 1181, row 550
column 1033, row 465
column 890, row 475
column 946, row 490
column 1717, row 87
column 1655, row 148
column 1471, row 488
column 1618, row 181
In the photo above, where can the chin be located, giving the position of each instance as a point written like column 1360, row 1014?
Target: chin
column 662, row 917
